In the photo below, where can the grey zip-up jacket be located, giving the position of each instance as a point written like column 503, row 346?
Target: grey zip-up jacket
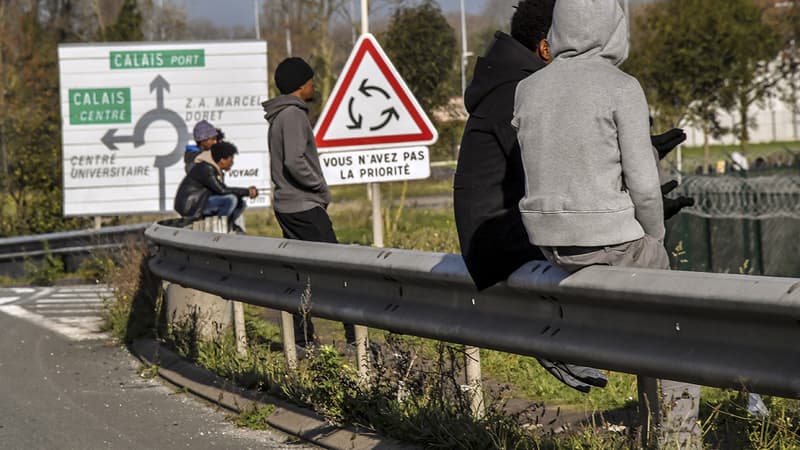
column 582, row 124
column 298, row 183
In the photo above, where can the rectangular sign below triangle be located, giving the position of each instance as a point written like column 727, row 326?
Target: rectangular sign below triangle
column 375, row 166
column 371, row 106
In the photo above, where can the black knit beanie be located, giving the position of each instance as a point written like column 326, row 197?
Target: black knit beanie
column 291, row 74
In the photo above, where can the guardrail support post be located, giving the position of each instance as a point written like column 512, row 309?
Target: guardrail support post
column 681, row 405
column 648, row 408
column 474, row 387
column 287, row 331
column 362, row 344
column 668, row 413
column 239, row 329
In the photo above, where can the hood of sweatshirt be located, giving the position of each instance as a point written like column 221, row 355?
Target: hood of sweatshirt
column 505, row 61
column 205, row 157
column 589, row 29
column 273, row 107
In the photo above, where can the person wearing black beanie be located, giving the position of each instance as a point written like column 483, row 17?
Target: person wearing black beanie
column 300, row 195
column 291, row 74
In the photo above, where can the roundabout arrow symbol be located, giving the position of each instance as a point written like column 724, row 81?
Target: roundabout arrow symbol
column 364, row 89
column 356, row 125
column 389, row 113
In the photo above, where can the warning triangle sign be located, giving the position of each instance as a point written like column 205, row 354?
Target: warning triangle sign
column 371, row 107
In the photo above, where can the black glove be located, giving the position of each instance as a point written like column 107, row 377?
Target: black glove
column 673, row 205
column 665, row 143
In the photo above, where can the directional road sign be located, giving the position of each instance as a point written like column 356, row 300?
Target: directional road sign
column 128, row 111
column 371, row 107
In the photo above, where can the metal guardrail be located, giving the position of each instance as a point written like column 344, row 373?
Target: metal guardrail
column 16, row 250
column 720, row 330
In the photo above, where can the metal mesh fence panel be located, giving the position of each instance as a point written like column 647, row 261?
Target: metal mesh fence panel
column 739, row 224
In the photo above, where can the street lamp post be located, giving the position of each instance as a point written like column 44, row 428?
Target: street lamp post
column 255, row 15
column 465, row 53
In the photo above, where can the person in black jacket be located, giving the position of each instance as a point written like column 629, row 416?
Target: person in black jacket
column 203, row 192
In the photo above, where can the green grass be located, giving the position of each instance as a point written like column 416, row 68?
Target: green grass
column 417, row 229
column 694, row 156
column 530, row 381
column 417, row 188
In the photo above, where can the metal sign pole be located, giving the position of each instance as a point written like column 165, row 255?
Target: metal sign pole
column 361, row 332
column 374, row 188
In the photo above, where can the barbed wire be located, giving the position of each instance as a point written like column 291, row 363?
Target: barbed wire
column 742, row 197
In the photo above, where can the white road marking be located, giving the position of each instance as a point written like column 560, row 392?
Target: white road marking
column 92, row 322
column 23, row 290
column 77, row 333
column 52, row 312
column 69, row 300
column 42, row 293
column 85, row 290
column 79, row 295
column 4, row 300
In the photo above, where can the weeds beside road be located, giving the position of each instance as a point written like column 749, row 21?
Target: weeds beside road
column 414, row 394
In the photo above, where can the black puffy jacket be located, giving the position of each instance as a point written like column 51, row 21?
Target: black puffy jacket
column 203, row 180
column 489, row 180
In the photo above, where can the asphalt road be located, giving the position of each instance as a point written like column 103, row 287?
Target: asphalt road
column 77, row 391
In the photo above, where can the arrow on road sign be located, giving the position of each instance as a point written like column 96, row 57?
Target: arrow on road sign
column 371, row 107
column 356, row 122
column 110, row 139
column 389, row 113
column 159, row 85
column 364, row 89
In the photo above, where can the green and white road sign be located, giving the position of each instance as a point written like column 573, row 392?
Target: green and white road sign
column 128, row 111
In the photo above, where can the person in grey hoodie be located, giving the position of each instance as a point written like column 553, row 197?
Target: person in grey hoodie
column 300, row 195
column 592, row 188
column 583, row 128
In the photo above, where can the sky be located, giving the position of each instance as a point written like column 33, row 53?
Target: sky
column 240, row 12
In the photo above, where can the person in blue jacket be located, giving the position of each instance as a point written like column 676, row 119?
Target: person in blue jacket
column 205, row 135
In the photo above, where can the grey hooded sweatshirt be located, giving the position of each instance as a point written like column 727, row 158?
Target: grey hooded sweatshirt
column 582, row 124
column 298, row 183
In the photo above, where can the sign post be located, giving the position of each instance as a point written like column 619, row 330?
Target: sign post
column 372, row 130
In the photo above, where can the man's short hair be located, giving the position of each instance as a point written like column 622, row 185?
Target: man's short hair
column 222, row 150
column 531, row 22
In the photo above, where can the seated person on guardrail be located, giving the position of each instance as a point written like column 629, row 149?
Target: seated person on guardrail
column 300, row 194
column 489, row 179
column 203, row 192
column 205, row 135
column 593, row 194
column 592, row 189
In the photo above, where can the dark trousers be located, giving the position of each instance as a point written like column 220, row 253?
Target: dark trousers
column 312, row 225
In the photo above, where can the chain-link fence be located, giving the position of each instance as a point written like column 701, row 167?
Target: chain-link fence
column 739, row 224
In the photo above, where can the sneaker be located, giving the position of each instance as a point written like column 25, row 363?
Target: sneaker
column 559, row 371
column 588, row 375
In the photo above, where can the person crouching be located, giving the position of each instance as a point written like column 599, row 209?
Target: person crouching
column 203, row 193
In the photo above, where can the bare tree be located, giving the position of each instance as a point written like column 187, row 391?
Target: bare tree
column 164, row 22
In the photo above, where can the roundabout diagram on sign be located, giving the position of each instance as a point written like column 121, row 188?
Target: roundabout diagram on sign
column 110, row 139
column 388, row 114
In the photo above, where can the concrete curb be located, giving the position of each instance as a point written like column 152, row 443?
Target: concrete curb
column 288, row 418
